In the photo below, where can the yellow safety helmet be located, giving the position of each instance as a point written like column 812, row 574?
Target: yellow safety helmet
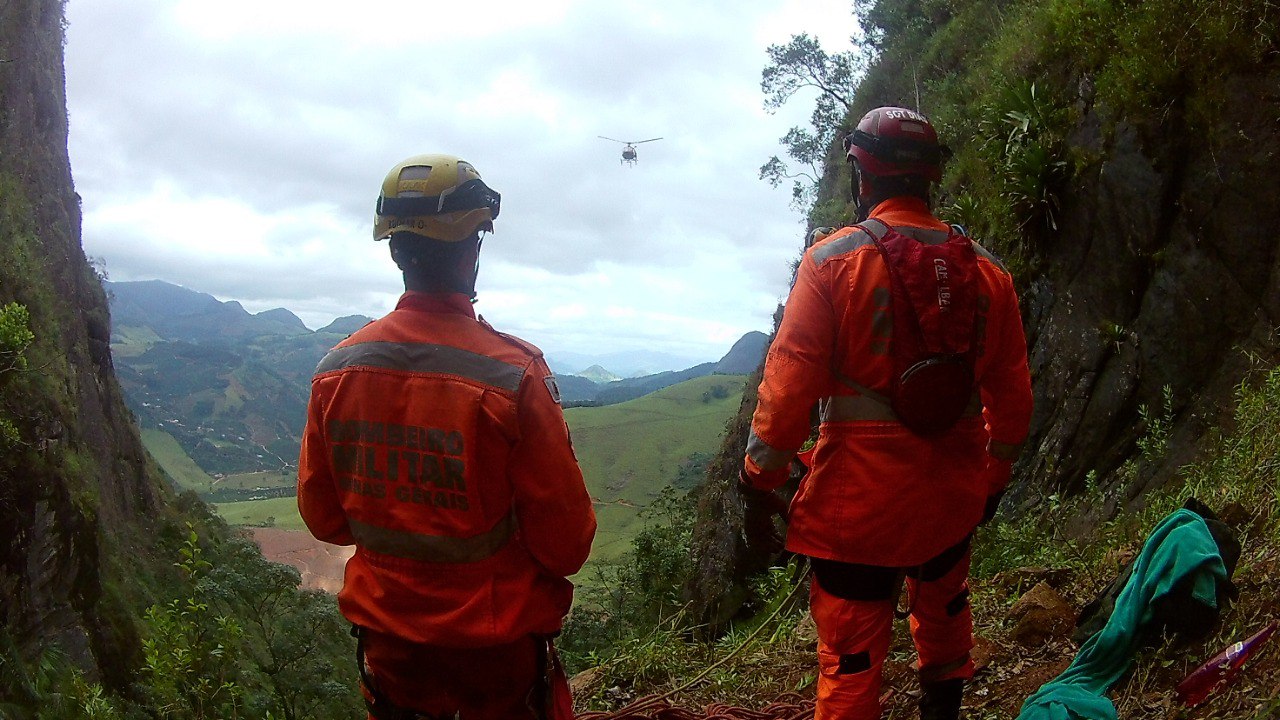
column 440, row 197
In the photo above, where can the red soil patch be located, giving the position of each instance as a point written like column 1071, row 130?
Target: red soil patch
column 321, row 564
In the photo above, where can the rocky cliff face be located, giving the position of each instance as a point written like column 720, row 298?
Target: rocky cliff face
column 1166, row 273
column 77, row 482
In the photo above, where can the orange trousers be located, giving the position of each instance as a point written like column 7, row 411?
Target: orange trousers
column 502, row 682
column 854, row 637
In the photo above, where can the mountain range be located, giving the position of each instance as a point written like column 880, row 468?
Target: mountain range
column 231, row 386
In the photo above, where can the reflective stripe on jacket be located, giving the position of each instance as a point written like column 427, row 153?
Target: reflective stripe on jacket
column 435, row 445
column 878, row 494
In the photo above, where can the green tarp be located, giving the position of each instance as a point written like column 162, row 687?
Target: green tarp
column 1179, row 547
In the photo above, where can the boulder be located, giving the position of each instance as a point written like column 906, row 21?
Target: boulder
column 1040, row 615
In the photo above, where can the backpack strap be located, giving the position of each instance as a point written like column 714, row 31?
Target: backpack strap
column 862, row 389
column 877, row 229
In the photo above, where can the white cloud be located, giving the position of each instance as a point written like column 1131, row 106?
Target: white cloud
column 236, row 148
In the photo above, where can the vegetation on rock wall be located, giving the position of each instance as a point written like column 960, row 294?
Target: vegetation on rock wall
column 229, row 635
column 15, row 336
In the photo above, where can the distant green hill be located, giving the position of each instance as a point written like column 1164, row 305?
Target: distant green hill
column 175, row 461
column 599, row 375
column 176, row 313
column 630, row 451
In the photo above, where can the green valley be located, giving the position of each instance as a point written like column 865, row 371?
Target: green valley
column 629, row 452
column 281, row 512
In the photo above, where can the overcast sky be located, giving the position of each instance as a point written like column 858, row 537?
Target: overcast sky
column 237, row 147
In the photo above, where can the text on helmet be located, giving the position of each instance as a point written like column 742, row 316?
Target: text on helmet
column 904, row 114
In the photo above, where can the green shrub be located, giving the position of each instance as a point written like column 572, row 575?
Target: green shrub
column 49, row 688
column 638, row 592
column 1145, row 56
column 190, row 663
column 15, row 338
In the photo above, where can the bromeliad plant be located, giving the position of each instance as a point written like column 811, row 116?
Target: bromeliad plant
column 1026, row 144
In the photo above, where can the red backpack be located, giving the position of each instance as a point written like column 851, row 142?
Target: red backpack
column 936, row 333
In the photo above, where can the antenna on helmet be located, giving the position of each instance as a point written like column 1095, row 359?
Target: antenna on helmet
column 915, row 78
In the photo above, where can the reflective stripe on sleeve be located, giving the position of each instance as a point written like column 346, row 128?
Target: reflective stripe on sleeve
column 764, row 455
column 433, row 548
column 840, row 246
column 425, row 358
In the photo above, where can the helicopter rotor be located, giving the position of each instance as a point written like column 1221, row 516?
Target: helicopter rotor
column 628, row 142
column 629, row 155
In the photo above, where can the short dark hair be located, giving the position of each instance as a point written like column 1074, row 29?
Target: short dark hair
column 423, row 255
column 431, row 262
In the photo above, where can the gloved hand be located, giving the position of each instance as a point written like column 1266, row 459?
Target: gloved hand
column 993, row 504
column 997, row 475
column 818, row 235
column 759, row 507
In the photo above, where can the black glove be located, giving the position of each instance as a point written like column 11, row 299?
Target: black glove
column 993, row 504
column 759, row 507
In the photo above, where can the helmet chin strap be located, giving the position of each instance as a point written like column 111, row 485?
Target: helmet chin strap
column 475, row 271
column 861, row 204
column 863, row 208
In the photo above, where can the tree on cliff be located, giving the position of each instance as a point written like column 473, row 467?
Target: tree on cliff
column 802, row 63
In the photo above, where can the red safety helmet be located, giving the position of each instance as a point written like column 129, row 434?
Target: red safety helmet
column 896, row 141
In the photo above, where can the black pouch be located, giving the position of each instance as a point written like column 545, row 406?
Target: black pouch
column 933, row 394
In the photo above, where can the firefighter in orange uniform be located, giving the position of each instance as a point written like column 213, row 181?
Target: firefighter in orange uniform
column 908, row 336
column 437, row 446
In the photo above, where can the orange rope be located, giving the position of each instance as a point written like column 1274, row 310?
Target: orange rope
column 656, row 707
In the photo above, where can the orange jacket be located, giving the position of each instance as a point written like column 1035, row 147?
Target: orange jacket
column 878, row 494
column 438, row 447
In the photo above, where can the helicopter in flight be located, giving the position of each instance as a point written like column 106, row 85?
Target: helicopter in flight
column 629, row 151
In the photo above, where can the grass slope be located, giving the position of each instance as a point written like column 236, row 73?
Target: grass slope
column 274, row 512
column 630, row 451
column 179, row 466
column 130, row 341
column 261, row 479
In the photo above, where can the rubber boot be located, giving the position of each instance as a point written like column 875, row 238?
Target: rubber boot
column 941, row 700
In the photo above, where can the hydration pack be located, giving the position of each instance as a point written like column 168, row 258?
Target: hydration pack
column 936, row 332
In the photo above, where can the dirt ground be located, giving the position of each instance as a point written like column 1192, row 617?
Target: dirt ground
column 321, row 564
